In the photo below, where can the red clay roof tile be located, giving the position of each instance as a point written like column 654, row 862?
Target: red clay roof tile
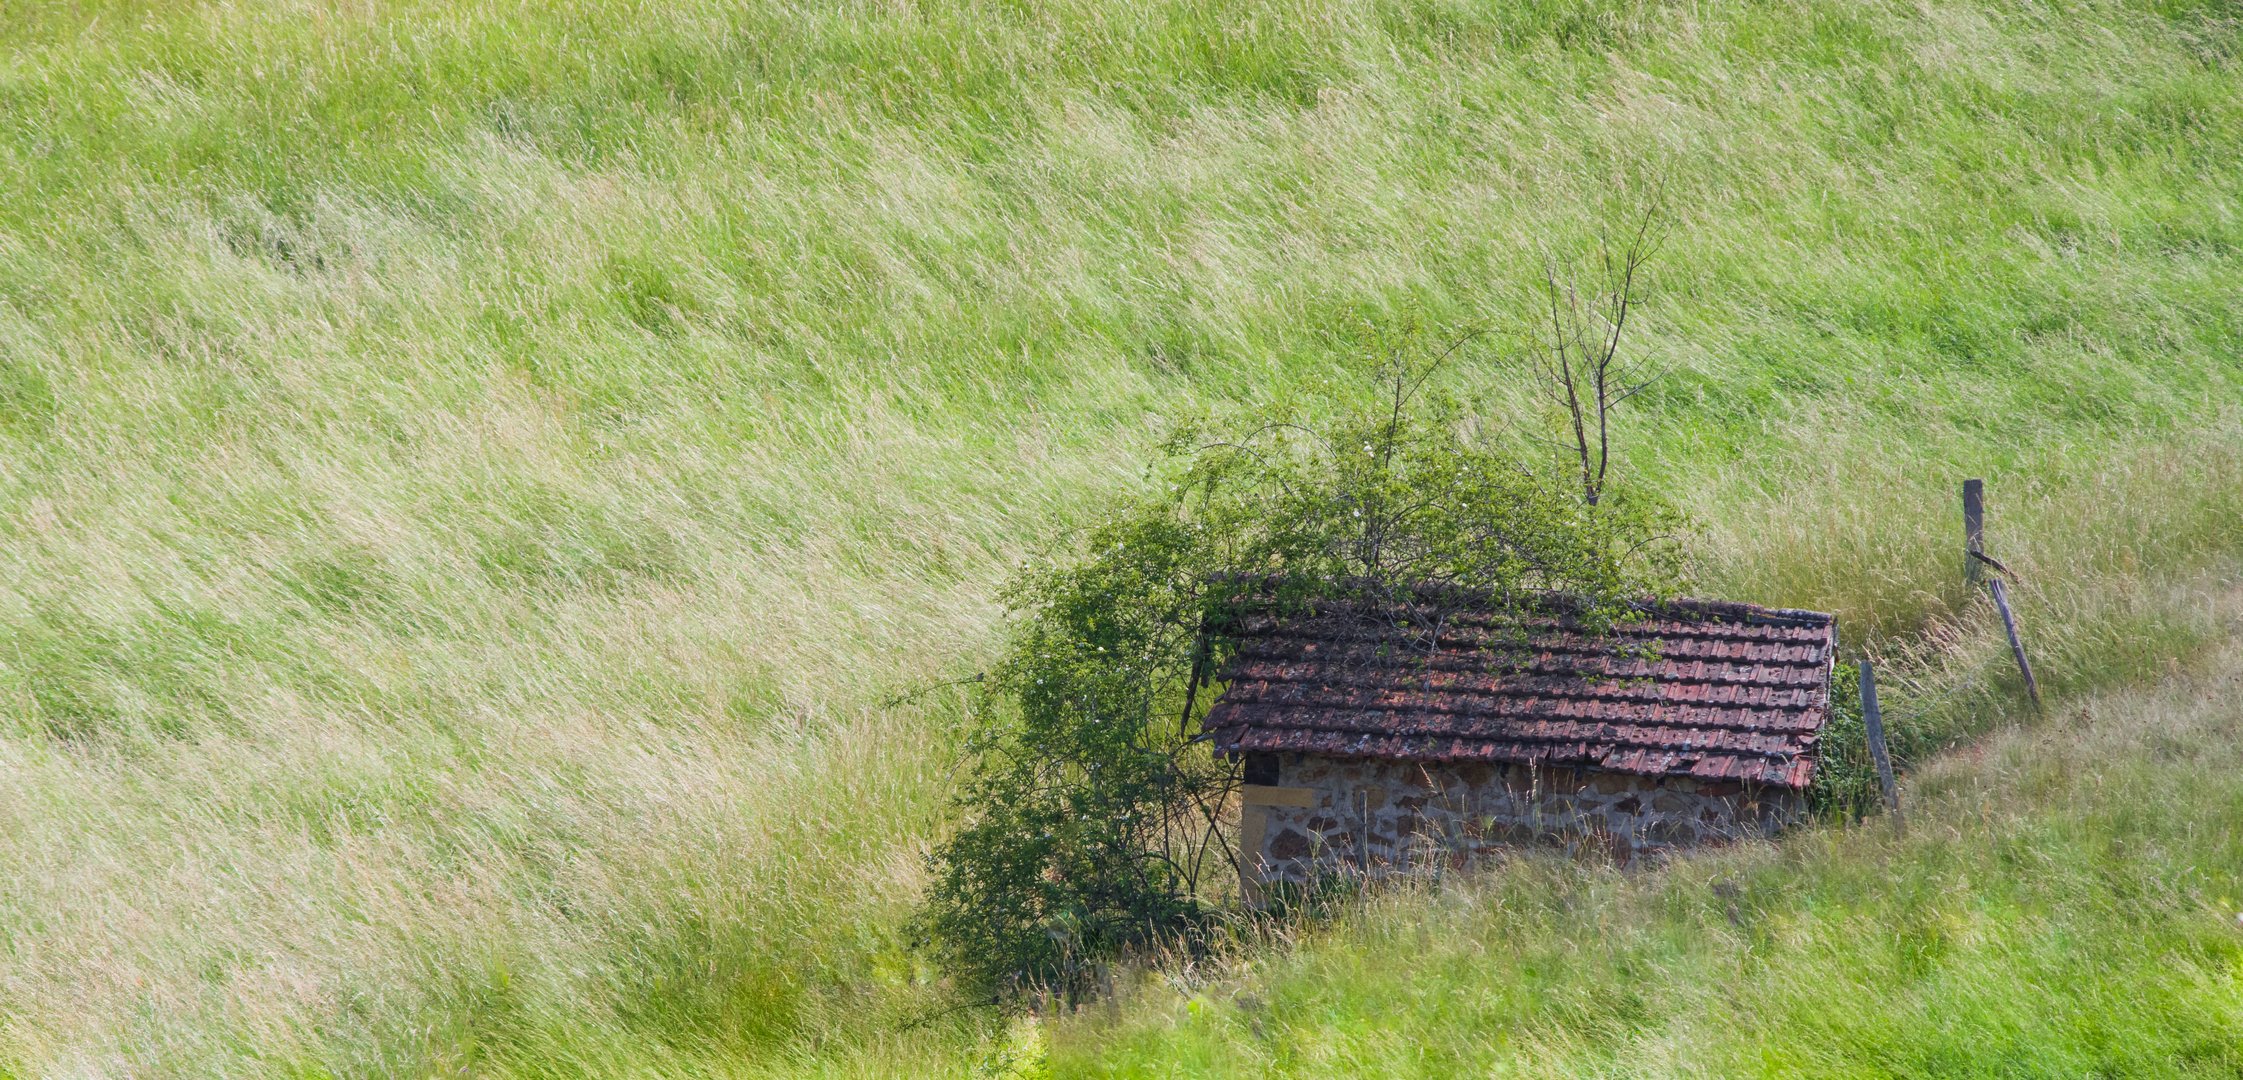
column 1692, row 688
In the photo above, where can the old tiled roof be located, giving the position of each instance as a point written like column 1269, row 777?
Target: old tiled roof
column 1724, row 692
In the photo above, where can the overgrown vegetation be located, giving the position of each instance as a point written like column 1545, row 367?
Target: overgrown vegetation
column 1096, row 812
column 472, row 477
column 2062, row 904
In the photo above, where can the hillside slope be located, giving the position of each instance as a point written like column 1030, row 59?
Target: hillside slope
column 478, row 487
column 2065, row 901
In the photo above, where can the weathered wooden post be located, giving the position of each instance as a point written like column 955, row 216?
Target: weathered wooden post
column 1975, row 562
column 2016, row 645
column 1873, row 724
column 1974, row 528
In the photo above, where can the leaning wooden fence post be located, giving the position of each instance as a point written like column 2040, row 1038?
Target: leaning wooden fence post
column 1873, row 725
column 1975, row 563
column 1974, row 528
column 2016, row 645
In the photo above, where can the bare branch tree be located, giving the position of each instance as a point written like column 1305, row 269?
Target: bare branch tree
column 1578, row 362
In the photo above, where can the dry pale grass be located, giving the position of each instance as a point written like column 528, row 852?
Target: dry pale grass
column 472, row 479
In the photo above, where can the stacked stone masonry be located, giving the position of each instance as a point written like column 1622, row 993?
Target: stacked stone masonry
column 1375, row 817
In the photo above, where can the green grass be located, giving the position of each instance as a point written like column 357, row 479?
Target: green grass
column 471, row 480
column 2063, row 903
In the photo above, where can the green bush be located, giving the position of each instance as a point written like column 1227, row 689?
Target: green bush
column 1845, row 784
column 1094, row 807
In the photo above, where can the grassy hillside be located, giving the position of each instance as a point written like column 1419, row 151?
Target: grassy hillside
column 472, row 481
column 2063, row 903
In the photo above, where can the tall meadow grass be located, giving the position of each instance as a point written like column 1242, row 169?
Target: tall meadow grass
column 484, row 491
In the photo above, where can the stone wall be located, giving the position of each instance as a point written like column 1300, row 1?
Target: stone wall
column 1325, row 816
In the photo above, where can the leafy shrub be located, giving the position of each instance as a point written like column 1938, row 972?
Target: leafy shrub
column 1094, row 809
column 1845, row 784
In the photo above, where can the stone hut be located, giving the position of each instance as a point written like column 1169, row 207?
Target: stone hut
column 1692, row 722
